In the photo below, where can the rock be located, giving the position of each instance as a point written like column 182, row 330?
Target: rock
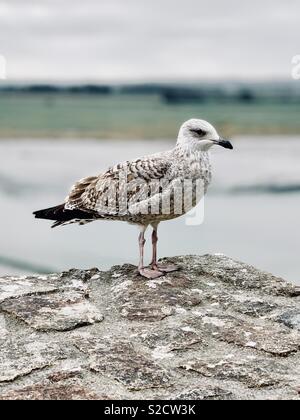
column 21, row 357
column 290, row 318
column 254, row 372
column 156, row 299
column 242, row 275
column 119, row 360
column 14, row 287
column 52, row 303
column 3, row 329
column 217, row 329
column 47, row 391
column 58, row 311
column 166, row 339
column 233, row 329
column 208, row 393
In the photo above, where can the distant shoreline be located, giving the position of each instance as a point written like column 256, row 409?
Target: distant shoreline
column 140, row 116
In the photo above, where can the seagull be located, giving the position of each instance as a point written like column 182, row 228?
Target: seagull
column 145, row 191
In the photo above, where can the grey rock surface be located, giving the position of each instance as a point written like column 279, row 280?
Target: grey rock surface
column 217, row 329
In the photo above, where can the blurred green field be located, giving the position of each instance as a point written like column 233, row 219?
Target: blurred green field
column 134, row 116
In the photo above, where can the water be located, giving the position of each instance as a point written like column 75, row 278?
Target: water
column 251, row 210
column 135, row 116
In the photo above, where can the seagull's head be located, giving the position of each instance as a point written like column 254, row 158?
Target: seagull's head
column 200, row 135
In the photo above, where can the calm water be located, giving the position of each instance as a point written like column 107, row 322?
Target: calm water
column 251, row 210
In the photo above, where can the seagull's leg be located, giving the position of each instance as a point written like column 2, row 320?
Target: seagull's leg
column 154, row 246
column 141, row 248
column 154, row 264
column 149, row 273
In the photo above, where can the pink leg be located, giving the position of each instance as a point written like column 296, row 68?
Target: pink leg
column 154, row 247
column 154, row 264
column 149, row 273
column 141, row 248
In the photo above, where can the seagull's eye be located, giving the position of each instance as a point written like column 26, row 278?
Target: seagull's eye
column 199, row 132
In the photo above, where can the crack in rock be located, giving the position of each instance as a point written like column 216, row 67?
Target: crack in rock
column 119, row 360
column 62, row 311
column 253, row 373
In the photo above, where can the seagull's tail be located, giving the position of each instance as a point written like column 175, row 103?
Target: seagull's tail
column 56, row 213
column 62, row 216
column 53, row 213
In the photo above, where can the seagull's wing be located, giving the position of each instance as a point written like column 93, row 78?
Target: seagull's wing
column 113, row 192
column 162, row 200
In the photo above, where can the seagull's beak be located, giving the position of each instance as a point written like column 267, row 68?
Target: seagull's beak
column 224, row 143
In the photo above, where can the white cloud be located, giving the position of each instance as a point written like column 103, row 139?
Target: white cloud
column 139, row 39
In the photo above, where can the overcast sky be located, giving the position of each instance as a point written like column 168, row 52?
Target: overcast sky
column 134, row 40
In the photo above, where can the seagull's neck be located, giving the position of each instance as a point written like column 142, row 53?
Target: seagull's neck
column 188, row 151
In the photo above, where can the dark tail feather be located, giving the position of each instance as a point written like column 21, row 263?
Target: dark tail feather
column 53, row 213
column 61, row 215
column 57, row 223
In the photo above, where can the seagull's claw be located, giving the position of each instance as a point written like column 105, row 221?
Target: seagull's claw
column 165, row 268
column 150, row 273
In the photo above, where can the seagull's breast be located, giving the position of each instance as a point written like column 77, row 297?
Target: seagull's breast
column 195, row 166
